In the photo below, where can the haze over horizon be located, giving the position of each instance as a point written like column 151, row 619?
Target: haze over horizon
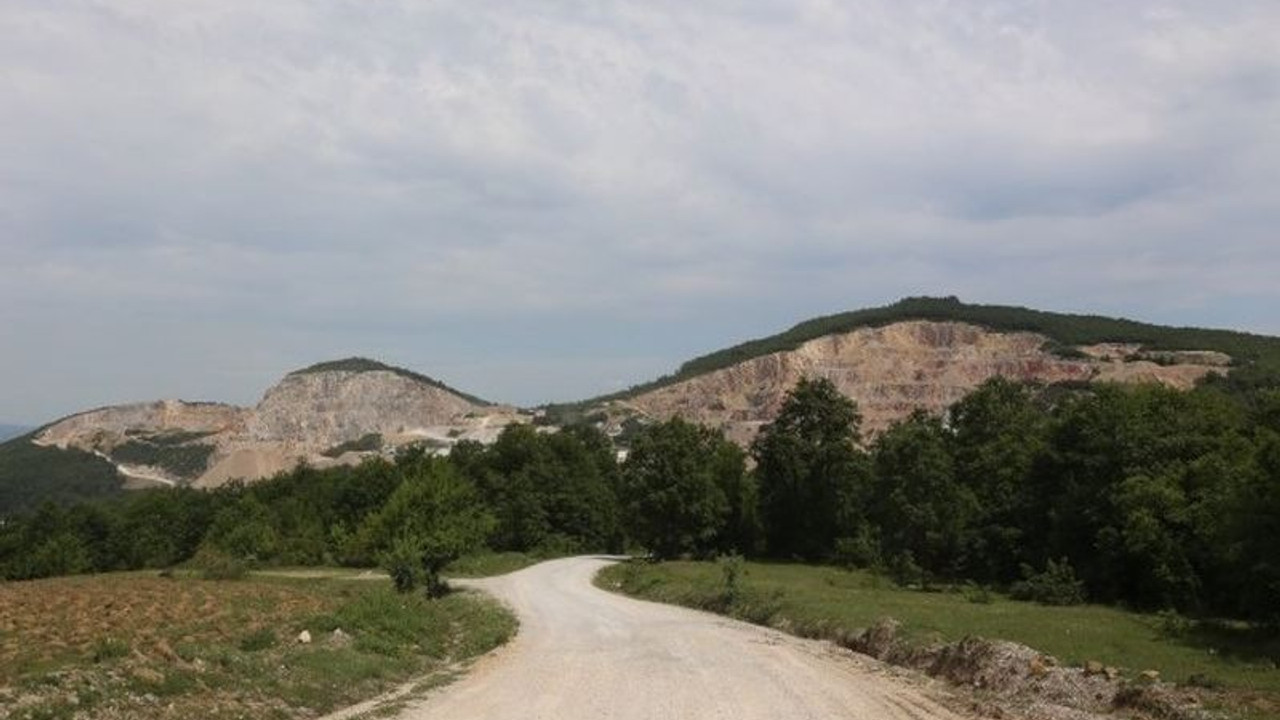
column 546, row 202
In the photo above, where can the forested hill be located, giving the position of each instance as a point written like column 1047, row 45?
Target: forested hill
column 1064, row 329
column 8, row 432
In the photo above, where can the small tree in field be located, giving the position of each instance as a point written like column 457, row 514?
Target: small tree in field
column 432, row 519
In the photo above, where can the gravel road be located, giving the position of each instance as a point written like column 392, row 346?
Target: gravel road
column 586, row 654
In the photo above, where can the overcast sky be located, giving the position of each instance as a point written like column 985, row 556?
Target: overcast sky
column 538, row 201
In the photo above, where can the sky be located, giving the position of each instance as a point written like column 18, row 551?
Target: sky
column 546, row 201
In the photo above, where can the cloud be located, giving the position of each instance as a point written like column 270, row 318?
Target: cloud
column 252, row 186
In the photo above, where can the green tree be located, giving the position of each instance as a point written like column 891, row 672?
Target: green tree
column 814, row 482
column 998, row 432
column 921, row 508
column 673, row 487
column 245, row 530
column 1130, row 488
column 435, row 513
column 1253, row 539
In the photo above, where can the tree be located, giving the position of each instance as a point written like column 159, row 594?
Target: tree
column 673, row 487
column 997, row 434
column 814, row 482
column 434, row 516
column 245, row 530
column 921, row 508
column 1253, row 539
column 1131, row 491
column 548, row 490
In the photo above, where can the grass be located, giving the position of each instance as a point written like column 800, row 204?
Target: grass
column 135, row 645
column 820, row 601
column 491, row 563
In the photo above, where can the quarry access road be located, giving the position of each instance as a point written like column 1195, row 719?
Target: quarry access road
column 586, row 654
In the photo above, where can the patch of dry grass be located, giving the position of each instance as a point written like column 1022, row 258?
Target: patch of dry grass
column 138, row 645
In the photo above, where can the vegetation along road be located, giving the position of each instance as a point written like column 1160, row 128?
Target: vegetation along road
column 586, row 653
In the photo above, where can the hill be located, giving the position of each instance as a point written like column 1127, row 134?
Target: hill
column 918, row 353
column 8, row 432
column 924, row 354
column 365, row 365
column 31, row 474
column 1063, row 330
column 336, row 412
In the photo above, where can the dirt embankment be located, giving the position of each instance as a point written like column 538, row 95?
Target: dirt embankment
column 1013, row 679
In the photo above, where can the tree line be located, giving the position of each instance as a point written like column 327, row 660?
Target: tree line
column 1134, row 494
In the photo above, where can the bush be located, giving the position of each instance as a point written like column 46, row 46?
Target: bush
column 107, row 648
column 258, row 640
column 731, row 570
column 862, row 551
column 977, row 594
column 1174, row 625
column 905, row 571
column 214, row 564
column 1057, row 585
column 371, row 442
column 403, row 562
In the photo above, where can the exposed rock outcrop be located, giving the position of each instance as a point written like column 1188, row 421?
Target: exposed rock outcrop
column 338, row 413
column 310, row 416
column 324, row 409
column 892, row 370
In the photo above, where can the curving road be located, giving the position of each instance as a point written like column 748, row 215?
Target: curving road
column 586, row 654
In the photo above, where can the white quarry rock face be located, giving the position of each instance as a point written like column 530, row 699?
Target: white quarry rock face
column 890, row 371
column 324, row 409
column 893, row 370
column 305, row 417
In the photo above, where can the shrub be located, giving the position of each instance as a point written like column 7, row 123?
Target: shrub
column 905, row 571
column 1056, row 585
column 977, row 594
column 107, row 648
column 861, row 551
column 258, row 640
column 731, row 570
column 403, row 562
column 214, row 564
column 1173, row 625
column 367, row 443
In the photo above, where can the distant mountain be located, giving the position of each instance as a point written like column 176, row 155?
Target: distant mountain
column 923, row 353
column 918, row 353
column 8, row 432
column 1062, row 331
column 330, row 413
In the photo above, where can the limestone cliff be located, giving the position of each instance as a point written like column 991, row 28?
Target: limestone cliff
column 895, row 369
column 338, row 413
column 323, row 409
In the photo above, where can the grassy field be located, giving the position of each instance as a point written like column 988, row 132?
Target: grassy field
column 137, row 645
column 818, row 601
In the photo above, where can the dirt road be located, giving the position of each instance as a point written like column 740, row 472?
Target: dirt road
column 586, row 654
